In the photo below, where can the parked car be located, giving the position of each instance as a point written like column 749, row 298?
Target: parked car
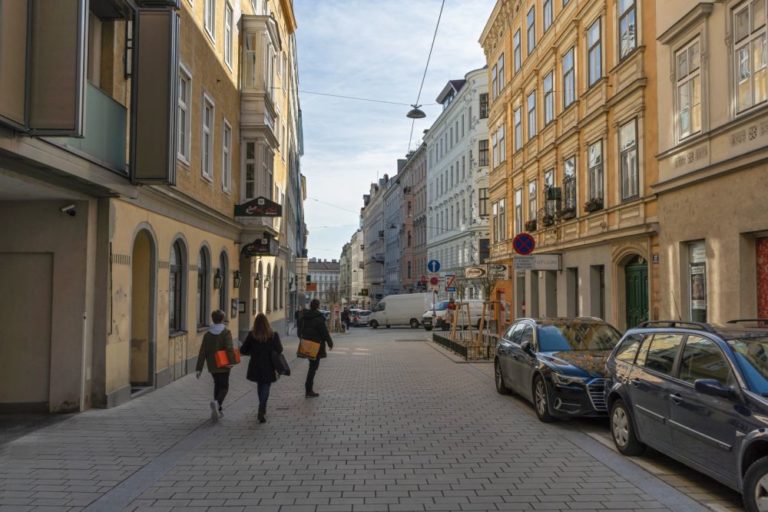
column 557, row 364
column 697, row 393
column 436, row 317
column 402, row 309
column 359, row 317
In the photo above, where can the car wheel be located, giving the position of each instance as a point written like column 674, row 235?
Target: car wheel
column 500, row 387
column 623, row 430
column 541, row 400
column 374, row 324
column 414, row 323
column 427, row 327
column 387, row 326
column 756, row 486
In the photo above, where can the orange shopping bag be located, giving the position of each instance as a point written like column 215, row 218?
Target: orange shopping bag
column 308, row 349
column 222, row 359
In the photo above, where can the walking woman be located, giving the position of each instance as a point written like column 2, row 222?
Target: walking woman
column 259, row 344
column 313, row 327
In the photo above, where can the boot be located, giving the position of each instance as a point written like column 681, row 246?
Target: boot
column 262, row 414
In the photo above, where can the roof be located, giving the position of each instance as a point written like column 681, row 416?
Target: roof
column 327, row 266
column 453, row 86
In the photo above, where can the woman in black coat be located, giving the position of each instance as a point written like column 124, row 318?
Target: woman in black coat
column 312, row 327
column 259, row 344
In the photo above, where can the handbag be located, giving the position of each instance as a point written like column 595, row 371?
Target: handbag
column 280, row 364
column 308, row 349
column 222, row 358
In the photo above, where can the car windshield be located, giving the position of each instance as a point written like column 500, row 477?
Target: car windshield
column 567, row 336
column 442, row 305
column 752, row 358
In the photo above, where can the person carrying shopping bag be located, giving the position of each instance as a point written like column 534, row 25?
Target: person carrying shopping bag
column 217, row 339
column 313, row 328
column 261, row 343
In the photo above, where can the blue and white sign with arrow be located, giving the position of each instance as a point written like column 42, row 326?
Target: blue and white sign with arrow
column 433, row 266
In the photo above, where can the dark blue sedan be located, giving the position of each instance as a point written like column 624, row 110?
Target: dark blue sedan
column 557, row 364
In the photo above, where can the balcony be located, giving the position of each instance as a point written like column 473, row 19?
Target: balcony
column 104, row 136
column 261, row 45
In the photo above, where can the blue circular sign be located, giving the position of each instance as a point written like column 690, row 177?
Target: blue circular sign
column 433, row 266
column 523, row 244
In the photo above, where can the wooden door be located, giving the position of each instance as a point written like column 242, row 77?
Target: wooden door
column 637, row 293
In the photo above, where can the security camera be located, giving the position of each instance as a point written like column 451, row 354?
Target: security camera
column 69, row 210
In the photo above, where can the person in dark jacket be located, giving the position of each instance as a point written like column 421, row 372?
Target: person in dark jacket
column 259, row 344
column 217, row 338
column 312, row 327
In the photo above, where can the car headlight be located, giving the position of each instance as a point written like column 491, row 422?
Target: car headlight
column 567, row 380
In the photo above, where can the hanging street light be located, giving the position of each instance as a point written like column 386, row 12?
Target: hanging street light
column 416, row 113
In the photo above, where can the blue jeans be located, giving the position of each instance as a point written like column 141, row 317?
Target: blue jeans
column 262, row 389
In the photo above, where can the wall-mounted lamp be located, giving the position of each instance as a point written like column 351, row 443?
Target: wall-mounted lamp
column 257, row 280
column 266, row 279
column 217, row 279
column 236, row 279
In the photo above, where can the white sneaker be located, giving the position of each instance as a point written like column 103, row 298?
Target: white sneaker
column 214, row 410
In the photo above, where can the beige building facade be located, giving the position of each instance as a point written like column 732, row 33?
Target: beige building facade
column 572, row 150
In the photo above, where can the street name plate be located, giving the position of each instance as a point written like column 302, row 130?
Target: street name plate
column 537, row 262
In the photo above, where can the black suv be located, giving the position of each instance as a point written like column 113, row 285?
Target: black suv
column 697, row 393
column 557, row 364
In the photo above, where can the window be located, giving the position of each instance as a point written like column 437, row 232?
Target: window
column 495, row 81
column 228, row 35
column 627, row 27
column 250, row 170
column 751, row 53
column 483, row 106
column 482, row 201
column 502, row 219
column 209, row 18
column 549, row 99
column 183, row 115
column 532, row 114
column 531, row 24
column 502, row 143
column 176, row 293
column 702, row 359
column 549, row 183
column 517, row 57
column 697, row 279
column 595, row 158
column 203, row 273
column 565, row 2
column 594, row 53
column 569, row 79
column 532, row 203
column 662, row 352
column 628, row 155
column 226, row 157
column 500, row 65
column 517, row 116
column 569, row 184
column 224, row 289
column 628, row 348
column 518, row 210
column 688, row 78
column 207, row 142
column 547, row 14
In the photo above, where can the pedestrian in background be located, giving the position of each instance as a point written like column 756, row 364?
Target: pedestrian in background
column 345, row 319
column 217, row 338
column 312, row 326
column 260, row 343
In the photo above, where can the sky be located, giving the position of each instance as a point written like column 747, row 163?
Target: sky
column 371, row 49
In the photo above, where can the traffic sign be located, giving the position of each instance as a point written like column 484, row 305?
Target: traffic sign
column 523, row 244
column 434, row 284
column 433, row 266
column 450, row 282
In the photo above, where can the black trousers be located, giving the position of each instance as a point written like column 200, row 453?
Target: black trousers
column 220, row 386
column 313, row 365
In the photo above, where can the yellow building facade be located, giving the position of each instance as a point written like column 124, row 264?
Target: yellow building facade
column 572, row 145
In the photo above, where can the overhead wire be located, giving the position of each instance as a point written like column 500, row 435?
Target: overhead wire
column 357, row 98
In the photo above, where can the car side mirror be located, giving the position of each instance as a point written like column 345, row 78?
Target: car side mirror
column 713, row 387
column 526, row 346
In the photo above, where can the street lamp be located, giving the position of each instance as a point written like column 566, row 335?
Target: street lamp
column 416, row 113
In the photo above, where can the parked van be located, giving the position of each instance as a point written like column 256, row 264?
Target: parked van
column 403, row 309
column 441, row 311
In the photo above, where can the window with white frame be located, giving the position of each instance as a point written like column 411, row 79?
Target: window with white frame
column 549, row 98
column 627, row 27
column 209, row 18
column 531, row 114
column 531, row 27
column 532, row 200
column 226, row 157
column 751, row 53
column 483, row 106
column 518, row 119
column 518, row 211
column 549, row 183
column 500, row 65
column 207, row 140
column 503, row 219
column 688, row 78
column 228, row 17
column 502, row 143
column 482, row 202
column 267, row 171
column 518, row 56
column 250, row 162
column 570, row 192
column 482, row 152
column 495, row 81
column 548, row 14
column 595, row 161
column 184, row 118
column 630, row 179
column 569, row 79
column 594, row 53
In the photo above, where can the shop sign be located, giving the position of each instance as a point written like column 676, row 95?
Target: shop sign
column 259, row 207
column 537, row 262
column 261, row 247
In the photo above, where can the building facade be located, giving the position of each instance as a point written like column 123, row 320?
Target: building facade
column 324, row 277
column 713, row 246
column 413, row 240
column 345, row 273
column 373, row 226
column 357, row 265
column 457, row 179
column 393, row 231
column 573, row 142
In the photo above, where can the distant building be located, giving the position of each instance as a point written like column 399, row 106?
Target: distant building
column 413, row 207
column 324, row 276
column 374, row 232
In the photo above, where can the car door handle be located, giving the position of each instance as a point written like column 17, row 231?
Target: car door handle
column 635, row 382
column 675, row 397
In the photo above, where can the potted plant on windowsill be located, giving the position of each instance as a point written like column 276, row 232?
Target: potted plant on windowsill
column 547, row 220
column 530, row 225
column 593, row 204
column 568, row 213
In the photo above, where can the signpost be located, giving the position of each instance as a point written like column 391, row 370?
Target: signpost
column 434, row 284
column 433, row 266
column 450, row 283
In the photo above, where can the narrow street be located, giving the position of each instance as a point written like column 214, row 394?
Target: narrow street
column 399, row 425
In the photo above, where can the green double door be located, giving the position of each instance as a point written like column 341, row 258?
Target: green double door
column 636, row 274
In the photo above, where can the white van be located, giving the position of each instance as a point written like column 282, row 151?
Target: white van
column 403, row 309
column 437, row 317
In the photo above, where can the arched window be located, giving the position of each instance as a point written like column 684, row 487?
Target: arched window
column 259, row 287
column 224, row 290
column 203, row 274
column 176, row 288
column 268, row 295
column 282, row 291
column 275, row 287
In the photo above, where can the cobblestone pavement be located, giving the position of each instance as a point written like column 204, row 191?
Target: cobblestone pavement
column 397, row 426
